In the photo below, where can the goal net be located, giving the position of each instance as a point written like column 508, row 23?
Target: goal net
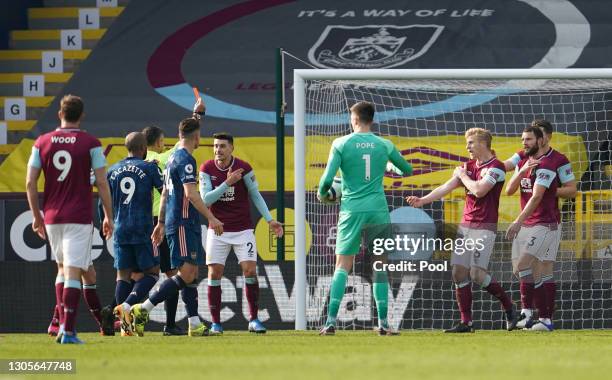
column 426, row 118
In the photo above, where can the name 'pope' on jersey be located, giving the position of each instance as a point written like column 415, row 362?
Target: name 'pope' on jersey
column 362, row 159
column 132, row 182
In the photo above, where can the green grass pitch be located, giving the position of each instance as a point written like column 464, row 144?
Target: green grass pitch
column 348, row 355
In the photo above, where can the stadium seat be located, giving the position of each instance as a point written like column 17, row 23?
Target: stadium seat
column 26, row 56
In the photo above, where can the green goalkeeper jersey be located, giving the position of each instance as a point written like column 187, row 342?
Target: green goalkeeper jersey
column 362, row 159
column 162, row 159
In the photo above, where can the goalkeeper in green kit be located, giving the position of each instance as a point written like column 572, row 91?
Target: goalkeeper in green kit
column 362, row 159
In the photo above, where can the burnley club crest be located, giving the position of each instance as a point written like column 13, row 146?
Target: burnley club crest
column 372, row 46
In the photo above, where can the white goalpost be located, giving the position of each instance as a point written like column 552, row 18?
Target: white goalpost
column 425, row 114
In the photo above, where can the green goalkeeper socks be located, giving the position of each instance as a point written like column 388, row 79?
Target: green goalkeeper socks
column 381, row 294
column 336, row 292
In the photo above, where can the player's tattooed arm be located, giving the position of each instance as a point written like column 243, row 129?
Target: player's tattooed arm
column 162, row 206
column 479, row 188
column 32, row 193
column 511, row 162
column 34, row 170
column 532, row 204
column 107, row 205
column 513, row 185
column 158, row 232
column 567, row 190
column 191, row 192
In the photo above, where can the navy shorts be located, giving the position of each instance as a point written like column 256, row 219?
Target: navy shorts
column 185, row 246
column 136, row 257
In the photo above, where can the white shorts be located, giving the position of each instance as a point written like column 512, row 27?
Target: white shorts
column 218, row 247
column 71, row 244
column 477, row 248
column 542, row 242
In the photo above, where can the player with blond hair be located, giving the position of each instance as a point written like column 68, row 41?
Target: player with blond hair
column 483, row 179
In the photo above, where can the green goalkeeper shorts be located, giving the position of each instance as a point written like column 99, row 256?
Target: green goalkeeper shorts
column 350, row 226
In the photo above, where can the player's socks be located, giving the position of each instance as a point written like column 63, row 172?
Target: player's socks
column 194, row 321
column 71, row 297
column 214, row 300
column 90, row 293
column 59, row 297
column 53, row 328
column 527, row 312
column 111, row 307
column 550, row 288
column 494, row 288
column 539, row 299
column 463, row 293
column 167, row 288
column 526, row 288
column 381, row 296
column 122, row 291
column 147, row 305
column 383, row 323
column 55, row 319
column 190, row 297
column 171, row 304
column 252, row 295
column 189, row 294
column 336, row 293
column 142, row 288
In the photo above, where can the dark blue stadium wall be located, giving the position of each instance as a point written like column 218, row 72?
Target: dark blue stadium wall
column 13, row 16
